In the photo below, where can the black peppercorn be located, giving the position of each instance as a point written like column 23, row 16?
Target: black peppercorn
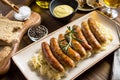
column 37, row 32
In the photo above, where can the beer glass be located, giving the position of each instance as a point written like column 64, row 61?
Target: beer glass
column 110, row 8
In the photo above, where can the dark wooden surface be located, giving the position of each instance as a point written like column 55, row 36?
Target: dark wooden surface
column 100, row 71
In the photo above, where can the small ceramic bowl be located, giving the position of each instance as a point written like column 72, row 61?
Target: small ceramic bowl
column 37, row 32
column 71, row 3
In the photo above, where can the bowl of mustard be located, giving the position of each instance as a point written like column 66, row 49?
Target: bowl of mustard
column 63, row 10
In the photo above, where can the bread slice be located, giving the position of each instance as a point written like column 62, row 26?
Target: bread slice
column 9, row 31
column 4, row 52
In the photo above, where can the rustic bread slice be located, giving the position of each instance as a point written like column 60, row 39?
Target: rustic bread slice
column 4, row 52
column 9, row 31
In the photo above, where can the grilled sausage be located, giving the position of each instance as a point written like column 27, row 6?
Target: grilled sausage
column 62, row 58
column 89, row 36
column 96, row 31
column 69, row 51
column 77, row 46
column 50, row 57
column 79, row 35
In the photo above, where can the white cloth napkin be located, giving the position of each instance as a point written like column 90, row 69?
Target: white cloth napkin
column 116, row 66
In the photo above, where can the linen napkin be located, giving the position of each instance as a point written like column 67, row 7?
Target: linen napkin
column 116, row 61
column 116, row 66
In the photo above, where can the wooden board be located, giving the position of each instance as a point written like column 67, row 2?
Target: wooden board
column 34, row 19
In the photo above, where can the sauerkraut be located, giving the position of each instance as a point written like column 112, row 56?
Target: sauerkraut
column 107, row 33
column 39, row 64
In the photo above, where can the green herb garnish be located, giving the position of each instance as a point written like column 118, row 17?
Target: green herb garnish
column 69, row 36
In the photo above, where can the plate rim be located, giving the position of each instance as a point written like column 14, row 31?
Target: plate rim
column 85, row 9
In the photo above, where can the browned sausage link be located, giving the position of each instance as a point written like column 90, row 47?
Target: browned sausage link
column 62, row 58
column 50, row 58
column 78, row 34
column 89, row 36
column 77, row 46
column 96, row 31
column 70, row 52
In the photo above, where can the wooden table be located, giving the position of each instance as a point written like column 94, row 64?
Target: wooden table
column 100, row 71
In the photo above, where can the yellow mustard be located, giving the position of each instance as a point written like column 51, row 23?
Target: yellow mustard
column 61, row 11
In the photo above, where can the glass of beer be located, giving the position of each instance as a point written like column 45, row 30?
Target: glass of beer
column 110, row 8
column 43, row 3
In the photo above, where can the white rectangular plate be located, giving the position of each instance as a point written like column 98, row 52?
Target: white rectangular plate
column 23, row 56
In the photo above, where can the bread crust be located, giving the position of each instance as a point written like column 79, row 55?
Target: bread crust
column 9, row 30
column 4, row 52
